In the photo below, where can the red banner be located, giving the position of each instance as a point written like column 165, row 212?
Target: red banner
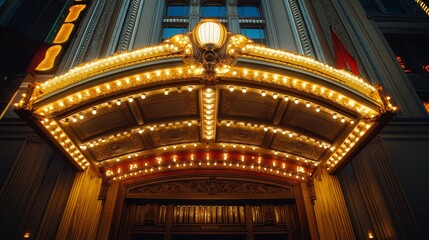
column 343, row 58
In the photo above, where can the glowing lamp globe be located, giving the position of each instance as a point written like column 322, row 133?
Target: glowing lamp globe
column 209, row 34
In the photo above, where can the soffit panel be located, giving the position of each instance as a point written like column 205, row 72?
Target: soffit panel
column 107, row 121
column 159, row 107
column 308, row 121
column 175, row 135
column 120, row 147
column 239, row 134
column 250, row 106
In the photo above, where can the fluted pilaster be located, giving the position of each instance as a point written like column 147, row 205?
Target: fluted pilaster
column 81, row 216
column 331, row 212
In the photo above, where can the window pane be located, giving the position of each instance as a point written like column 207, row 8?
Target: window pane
column 249, row 11
column 370, row 6
column 168, row 32
column 411, row 51
column 392, row 6
column 256, row 34
column 186, row 11
column 213, row 11
column 177, row 11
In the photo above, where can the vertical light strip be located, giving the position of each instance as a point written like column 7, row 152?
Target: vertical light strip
column 208, row 114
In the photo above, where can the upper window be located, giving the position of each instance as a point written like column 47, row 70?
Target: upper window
column 387, row 7
column 393, row 6
column 256, row 33
column 370, row 6
column 248, row 11
column 411, row 51
column 177, row 9
column 169, row 31
column 213, row 9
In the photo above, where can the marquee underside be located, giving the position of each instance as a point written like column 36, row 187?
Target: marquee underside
column 153, row 110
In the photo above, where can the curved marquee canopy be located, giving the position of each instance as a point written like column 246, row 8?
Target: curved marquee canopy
column 187, row 104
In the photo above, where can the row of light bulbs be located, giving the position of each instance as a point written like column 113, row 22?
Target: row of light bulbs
column 139, row 130
column 134, row 170
column 288, row 57
column 276, row 129
column 302, row 86
column 57, row 132
column 109, row 63
column 207, row 156
column 296, row 101
column 122, row 84
column 209, row 113
column 118, row 102
column 177, row 149
column 353, row 138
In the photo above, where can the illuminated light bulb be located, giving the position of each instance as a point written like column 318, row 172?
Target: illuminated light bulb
column 343, row 119
column 118, row 102
column 94, row 110
column 143, row 96
column 275, row 96
column 265, row 129
column 130, row 99
column 290, row 134
column 151, row 128
column 228, row 124
column 244, row 90
column 166, row 91
column 189, row 123
column 352, row 122
column 141, row 131
column 318, row 109
column 263, row 93
column 81, row 115
column 138, row 78
column 296, row 101
column 307, row 104
column 231, row 88
column 286, row 98
column 190, row 88
column 334, row 116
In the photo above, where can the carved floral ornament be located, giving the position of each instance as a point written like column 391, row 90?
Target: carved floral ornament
column 209, row 54
column 209, row 186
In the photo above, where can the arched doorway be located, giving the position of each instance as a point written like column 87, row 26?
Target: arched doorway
column 212, row 205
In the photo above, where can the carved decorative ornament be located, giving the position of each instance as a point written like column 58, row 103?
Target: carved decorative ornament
column 210, row 186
